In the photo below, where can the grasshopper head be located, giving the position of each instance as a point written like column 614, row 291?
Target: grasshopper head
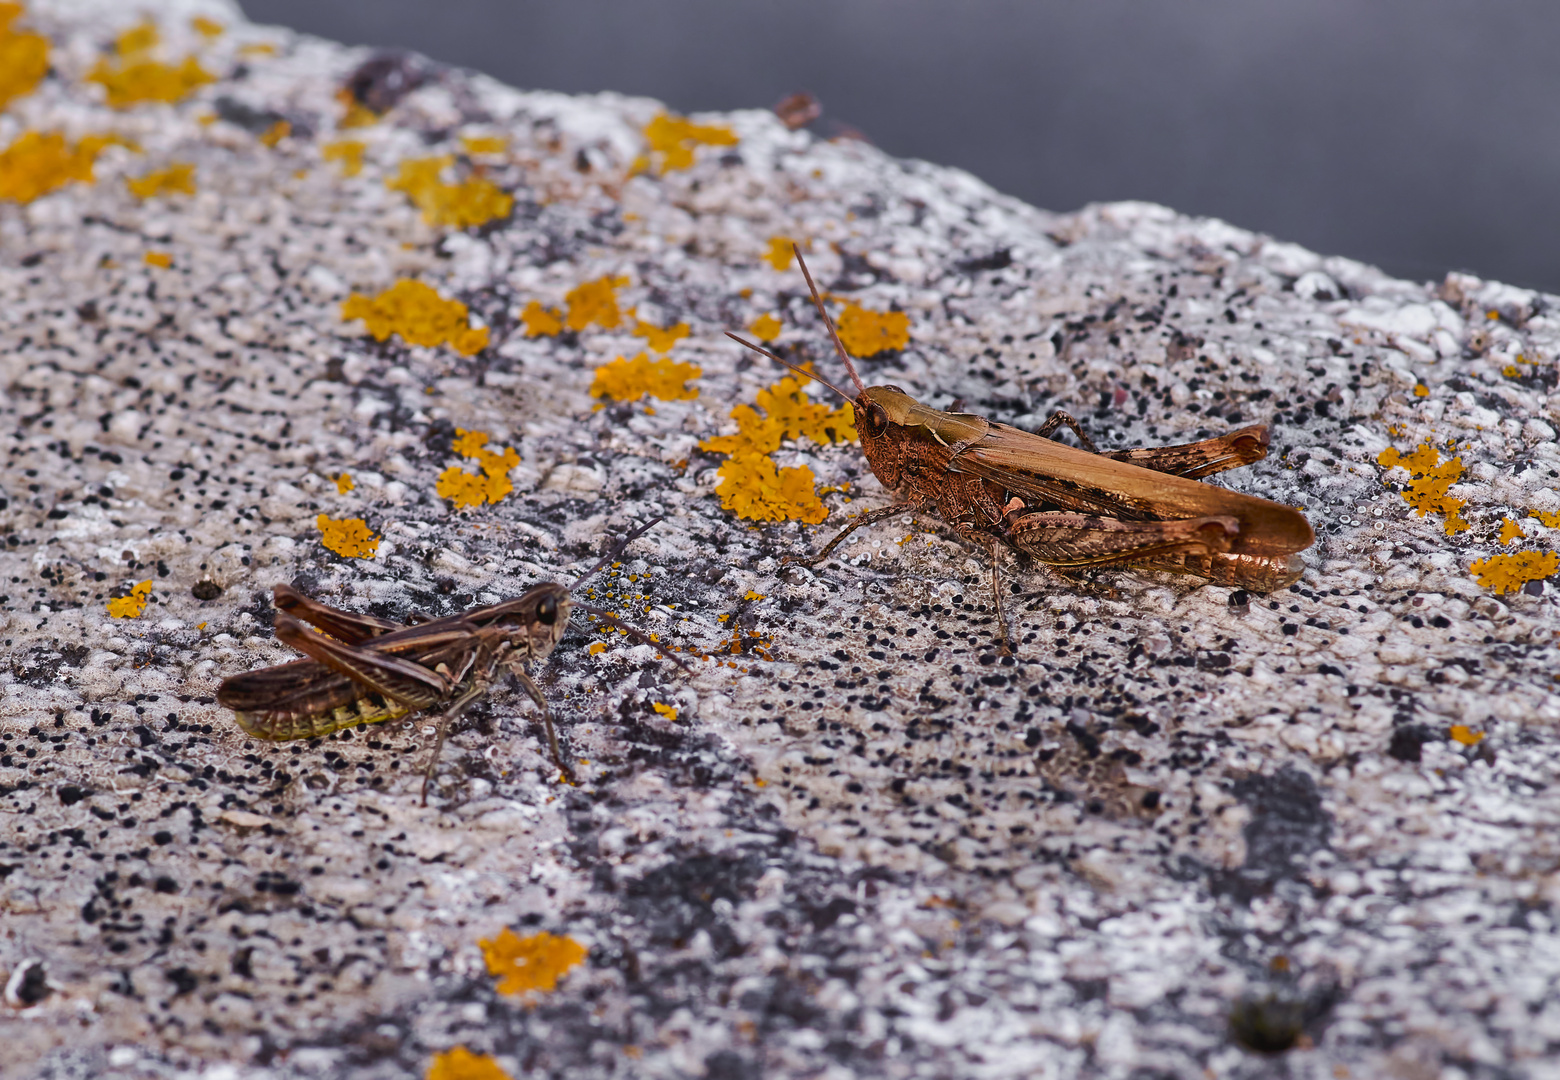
column 879, row 406
column 536, row 620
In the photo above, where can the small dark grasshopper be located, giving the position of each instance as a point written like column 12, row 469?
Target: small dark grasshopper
column 1070, row 508
column 371, row 670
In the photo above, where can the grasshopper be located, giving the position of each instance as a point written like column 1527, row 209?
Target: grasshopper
column 369, row 670
column 1070, row 508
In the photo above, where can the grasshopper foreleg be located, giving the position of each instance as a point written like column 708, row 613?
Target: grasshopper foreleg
column 869, row 518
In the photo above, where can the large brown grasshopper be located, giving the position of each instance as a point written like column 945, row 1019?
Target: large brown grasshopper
column 365, row 670
column 1070, row 508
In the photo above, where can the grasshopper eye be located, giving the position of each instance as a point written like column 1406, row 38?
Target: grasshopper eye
column 547, row 611
column 876, row 419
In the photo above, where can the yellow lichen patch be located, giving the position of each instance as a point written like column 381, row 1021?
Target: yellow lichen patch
column 347, row 151
column 484, row 144
column 1431, row 480
column 131, row 605
column 419, row 314
column 782, row 249
column 595, row 302
column 673, row 140
column 755, row 489
column 866, row 333
column 1421, row 390
column 596, row 648
column 1508, row 573
column 39, row 162
column 665, row 710
column 134, row 77
column 462, row 1064
column 751, row 484
column 177, row 179
column 258, row 48
column 766, row 327
column 466, row 489
column 1548, row 518
column 24, row 58
column 659, row 339
column 466, row 204
column 1510, row 530
column 532, row 963
column 1461, row 733
column 540, row 321
column 349, row 537
column 275, row 133
column 344, row 484
column 208, row 28
column 163, row 259
column 631, row 380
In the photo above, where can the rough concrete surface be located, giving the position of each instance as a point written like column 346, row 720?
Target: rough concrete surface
column 1184, row 832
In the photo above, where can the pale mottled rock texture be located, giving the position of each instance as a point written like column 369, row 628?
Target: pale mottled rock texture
column 1182, row 823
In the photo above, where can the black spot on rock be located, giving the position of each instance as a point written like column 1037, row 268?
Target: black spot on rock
column 205, row 589
column 1287, row 824
column 71, row 794
column 1408, row 741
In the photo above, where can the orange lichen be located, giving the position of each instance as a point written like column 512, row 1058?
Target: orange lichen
column 540, row 321
column 866, row 333
column 665, row 710
column 344, row 484
column 347, row 151
column 417, row 312
column 595, row 302
column 205, row 27
column 1508, row 573
column 659, row 339
column 788, row 414
column 1431, row 480
column 466, row 204
column 275, row 133
column 24, row 58
column 462, row 1064
column 1462, row 733
column 163, row 259
column 751, row 484
column 132, row 604
column 766, row 327
column 258, row 48
column 1421, row 390
column 39, row 162
column 349, row 537
column 177, row 179
column 782, row 249
column 756, row 489
column 673, row 140
column 1510, row 530
column 473, row 489
column 596, row 648
column 532, row 963
column 631, row 380
column 1546, row 517
column 133, row 77
column 484, row 144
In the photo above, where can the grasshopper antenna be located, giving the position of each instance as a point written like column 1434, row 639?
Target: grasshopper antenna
column 612, row 555
column 814, row 376
column 839, row 346
column 638, row 635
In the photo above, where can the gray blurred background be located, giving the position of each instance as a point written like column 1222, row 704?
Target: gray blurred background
column 1419, row 135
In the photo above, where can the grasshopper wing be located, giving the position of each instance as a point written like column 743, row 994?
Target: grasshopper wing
column 1054, row 474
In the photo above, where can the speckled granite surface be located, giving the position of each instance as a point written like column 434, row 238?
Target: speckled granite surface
column 1182, row 823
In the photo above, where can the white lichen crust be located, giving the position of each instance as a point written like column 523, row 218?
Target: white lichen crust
column 860, row 840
